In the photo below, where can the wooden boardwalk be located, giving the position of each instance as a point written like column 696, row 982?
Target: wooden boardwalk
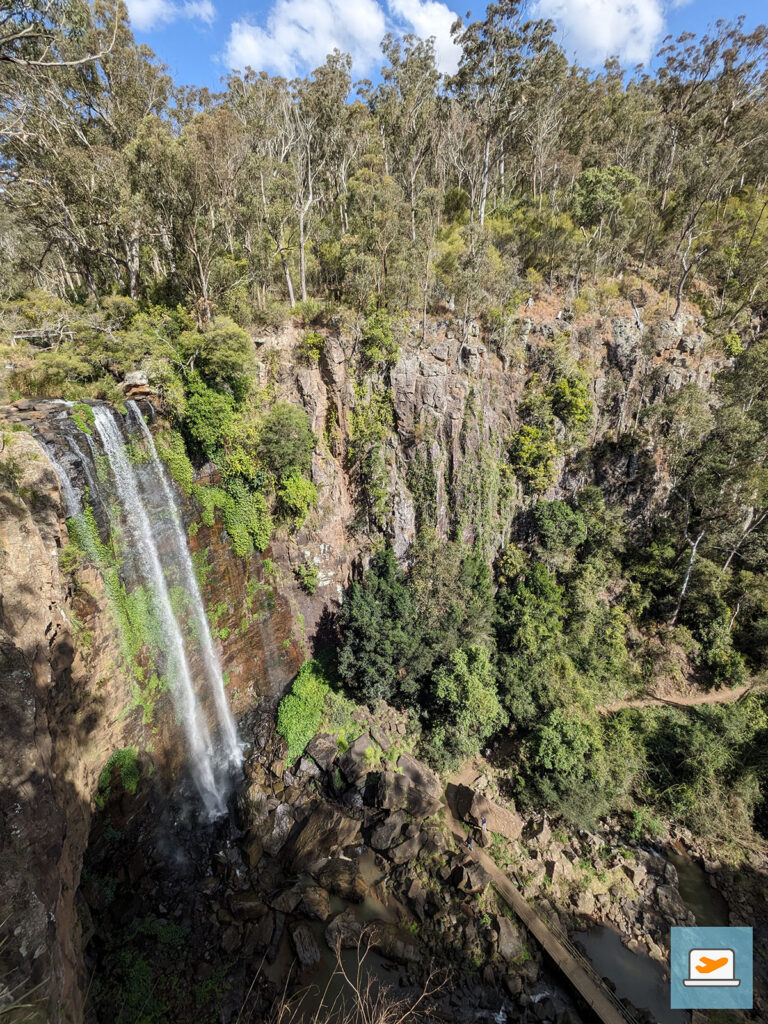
column 558, row 946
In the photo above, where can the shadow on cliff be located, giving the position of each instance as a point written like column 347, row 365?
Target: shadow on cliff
column 45, row 816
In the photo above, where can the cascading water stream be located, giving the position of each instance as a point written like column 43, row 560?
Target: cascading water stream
column 231, row 749
column 68, row 492
column 201, row 755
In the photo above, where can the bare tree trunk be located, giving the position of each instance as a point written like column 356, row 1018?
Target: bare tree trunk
column 288, row 281
column 132, row 253
column 694, row 548
column 486, row 173
column 302, row 259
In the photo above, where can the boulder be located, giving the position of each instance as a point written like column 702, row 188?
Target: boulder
column 286, row 901
column 315, row 903
column 252, row 850
column 355, row 763
column 558, row 869
column 419, row 776
column 542, row 833
column 343, row 878
column 230, row 939
column 261, row 933
column 394, row 943
column 279, row 825
column 417, row 897
column 635, row 873
column 585, row 904
column 387, row 833
column 470, row 877
column 253, row 808
column 670, row 904
column 472, row 807
column 305, row 944
column 324, row 833
column 510, row 940
column 381, row 738
column 323, row 749
column 395, row 792
column 408, row 850
column 344, row 931
column 247, row 906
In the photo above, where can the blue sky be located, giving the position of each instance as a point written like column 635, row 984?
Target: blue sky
column 201, row 40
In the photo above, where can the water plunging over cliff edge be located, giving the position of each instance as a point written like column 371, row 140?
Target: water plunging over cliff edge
column 137, row 501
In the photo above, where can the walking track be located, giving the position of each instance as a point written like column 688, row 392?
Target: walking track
column 682, row 701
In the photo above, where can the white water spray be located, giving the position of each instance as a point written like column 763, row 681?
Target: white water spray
column 231, row 748
column 137, row 522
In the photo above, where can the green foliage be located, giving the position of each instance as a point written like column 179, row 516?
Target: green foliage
column 286, row 441
column 84, row 417
column 172, row 450
column 467, row 710
column 298, row 497
column 570, row 400
column 532, row 454
column 124, row 761
column 308, row 576
column 558, row 525
column 301, row 711
column 380, row 633
column 310, row 348
column 208, row 417
column 221, row 354
column 377, row 340
column 599, row 192
column 732, row 344
column 244, row 514
column 371, row 423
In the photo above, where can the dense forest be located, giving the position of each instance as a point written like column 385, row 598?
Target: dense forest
column 145, row 225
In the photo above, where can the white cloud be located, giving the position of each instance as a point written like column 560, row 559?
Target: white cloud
column 148, row 14
column 427, row 18
column 299, row 34
column 596, row 29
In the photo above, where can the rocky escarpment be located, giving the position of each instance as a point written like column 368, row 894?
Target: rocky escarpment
column 454, row 401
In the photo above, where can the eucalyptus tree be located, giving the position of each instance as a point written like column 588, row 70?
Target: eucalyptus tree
column 406, row 106
column 498, row 55
column 320, row 112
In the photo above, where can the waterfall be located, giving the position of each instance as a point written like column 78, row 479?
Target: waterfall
column 229, row 741
column 144, row 549
column 68, row 492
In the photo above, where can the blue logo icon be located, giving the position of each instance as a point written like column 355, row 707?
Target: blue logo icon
column 711, row 969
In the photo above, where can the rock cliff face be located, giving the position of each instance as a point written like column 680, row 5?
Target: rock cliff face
column 65, row 703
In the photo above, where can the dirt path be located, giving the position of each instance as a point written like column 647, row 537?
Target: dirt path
column 683, row 701
column 559, row 948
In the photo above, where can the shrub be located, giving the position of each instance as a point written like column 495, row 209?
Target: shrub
column 301, row 711
column 532, row 455
column 307, row 574
column 310, row 347
column 208, row 417
column 286, row 441
column 298, row 496
column 570, row 400
column 377, row 340
column 126, row 762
